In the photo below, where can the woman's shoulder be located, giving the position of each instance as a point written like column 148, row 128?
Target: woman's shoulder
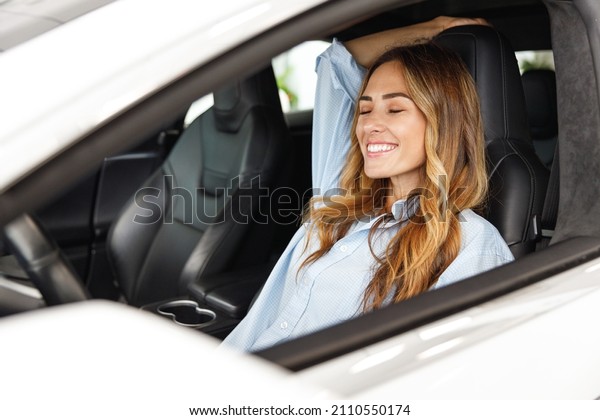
column 477, row 231
column 482, row 248
column 469, row 219
column 469, row 216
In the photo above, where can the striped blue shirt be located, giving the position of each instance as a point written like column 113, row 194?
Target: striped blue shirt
column 295, row 301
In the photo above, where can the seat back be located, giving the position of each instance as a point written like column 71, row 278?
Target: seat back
column 518, row 179
column 192, row 215
column 540, row 96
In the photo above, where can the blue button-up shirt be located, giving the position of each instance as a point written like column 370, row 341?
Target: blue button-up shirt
column 296, row 301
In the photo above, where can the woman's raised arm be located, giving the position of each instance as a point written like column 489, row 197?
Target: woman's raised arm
column 367, row 48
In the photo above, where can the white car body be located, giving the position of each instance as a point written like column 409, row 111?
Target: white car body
column 115, row 64
column 515, row 347
column 536, row 343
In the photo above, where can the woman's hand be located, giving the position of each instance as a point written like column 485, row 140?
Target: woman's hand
column 366, row 49
column 441, row 23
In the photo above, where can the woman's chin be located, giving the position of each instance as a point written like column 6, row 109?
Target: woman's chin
column 375, row 174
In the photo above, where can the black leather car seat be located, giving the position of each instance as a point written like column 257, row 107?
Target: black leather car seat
column 192, row 217
column 540, row 96
column 518, row 179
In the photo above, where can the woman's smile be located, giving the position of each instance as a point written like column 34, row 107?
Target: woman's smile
column 380, row 149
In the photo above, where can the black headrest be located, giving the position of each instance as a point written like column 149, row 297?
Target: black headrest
column 493, row 65
column 540, row 96
column 232, row 103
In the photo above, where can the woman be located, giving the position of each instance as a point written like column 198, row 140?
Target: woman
column 394, row 217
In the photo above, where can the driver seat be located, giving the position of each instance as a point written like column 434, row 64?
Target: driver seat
column 190, row 219
column 517, row 179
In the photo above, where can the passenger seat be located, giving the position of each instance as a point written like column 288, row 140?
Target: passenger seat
column 517, row 179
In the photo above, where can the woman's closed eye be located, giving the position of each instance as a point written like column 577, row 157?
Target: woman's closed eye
column 366, row 111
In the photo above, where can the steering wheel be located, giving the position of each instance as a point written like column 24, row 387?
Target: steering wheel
column 43, row 261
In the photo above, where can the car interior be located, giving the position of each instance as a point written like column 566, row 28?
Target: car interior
column 189, row 223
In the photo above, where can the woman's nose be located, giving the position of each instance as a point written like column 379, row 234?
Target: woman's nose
column 372, row 124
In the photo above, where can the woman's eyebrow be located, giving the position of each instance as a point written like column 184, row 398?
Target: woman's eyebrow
column 395, row 95
column 386, row 96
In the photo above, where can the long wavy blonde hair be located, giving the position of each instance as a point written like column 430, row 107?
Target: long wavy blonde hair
column 453, row 179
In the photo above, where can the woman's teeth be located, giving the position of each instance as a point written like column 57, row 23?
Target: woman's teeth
column 376, row 148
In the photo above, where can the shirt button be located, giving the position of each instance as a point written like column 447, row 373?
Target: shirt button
column 343, row 248
column 283, row 325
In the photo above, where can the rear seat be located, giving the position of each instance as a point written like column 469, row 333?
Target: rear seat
column 540, row 96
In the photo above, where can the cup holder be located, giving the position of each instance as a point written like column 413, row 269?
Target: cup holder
column 186, row 313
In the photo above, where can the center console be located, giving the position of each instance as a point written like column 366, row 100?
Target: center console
column 215, row 304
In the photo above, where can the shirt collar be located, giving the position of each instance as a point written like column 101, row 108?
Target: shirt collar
column 403, row 209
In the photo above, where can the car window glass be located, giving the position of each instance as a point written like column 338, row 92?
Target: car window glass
column 295, row 73
column 529, row 60
column 197, row 108
column 296, row 79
